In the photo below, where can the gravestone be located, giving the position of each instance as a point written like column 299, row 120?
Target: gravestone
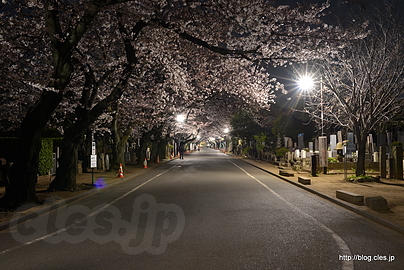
column 316, row 144
column 300, row 141
column 382, row 139
column 339, row 136
column 290, row 143
column 289, row 156
column 311, row 147
column 370, row 144
column 389, row 139
column 333, row 144
column 297, row 154
column 351, row 147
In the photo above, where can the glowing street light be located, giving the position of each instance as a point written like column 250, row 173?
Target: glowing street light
column 180, row 118
column 306, row 82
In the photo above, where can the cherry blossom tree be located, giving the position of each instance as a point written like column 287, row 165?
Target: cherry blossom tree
column 49, row 53
column 364, row 82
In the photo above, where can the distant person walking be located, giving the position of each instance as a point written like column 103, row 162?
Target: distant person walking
column 182, row 150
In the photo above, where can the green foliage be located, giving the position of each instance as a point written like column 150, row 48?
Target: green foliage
column 291, row 124
column 396, row 144
column 242, row 126
column 246, row 150
column 46, row 157
column 170, row 147
column 260, row 139
column 279, row 124
column 332, row 159
column 281, row 152
column 360, row 177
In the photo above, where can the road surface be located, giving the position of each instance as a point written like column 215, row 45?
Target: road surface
column 207, row 211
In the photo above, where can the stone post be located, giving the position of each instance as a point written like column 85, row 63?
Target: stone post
column 314, row 160
column 382, row 161
column 390, row 168
column 397, row 155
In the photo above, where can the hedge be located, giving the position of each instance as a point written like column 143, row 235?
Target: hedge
column 46, row 157
column 8, row 150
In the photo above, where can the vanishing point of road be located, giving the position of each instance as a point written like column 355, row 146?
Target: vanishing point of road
column 207, row 211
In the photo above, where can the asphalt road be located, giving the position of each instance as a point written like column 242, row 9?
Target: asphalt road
column 207, row 211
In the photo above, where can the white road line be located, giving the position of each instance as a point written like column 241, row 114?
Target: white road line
column 346, row 265
column 85, row 218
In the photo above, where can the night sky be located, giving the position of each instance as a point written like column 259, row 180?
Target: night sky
column 287, row 75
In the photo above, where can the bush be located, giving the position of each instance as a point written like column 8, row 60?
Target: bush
column 246, row 150
column 281, row 152
column 332, row 159
column 46, row 157
column 396, row 144
column 9, row 146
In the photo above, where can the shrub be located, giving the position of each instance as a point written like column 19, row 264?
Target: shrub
column 332, row 159
column 396, row 144
column 246, row 150
column 46, row 157
column 281, row 152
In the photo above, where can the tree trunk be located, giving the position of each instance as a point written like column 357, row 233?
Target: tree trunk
column 67, row 170
column 162, row 148
column 155, row 145
column 144, row 142
column 360, row 163
column 23, row 175
column 118, row 153
column 85, row 149
column 120, row 140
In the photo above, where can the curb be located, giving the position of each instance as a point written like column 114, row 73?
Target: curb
column 6, row 224
column 370, row 216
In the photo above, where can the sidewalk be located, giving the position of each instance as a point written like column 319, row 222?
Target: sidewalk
column 84, row 188
column 327, row 185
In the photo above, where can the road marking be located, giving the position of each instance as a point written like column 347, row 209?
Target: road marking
column 346, row 265
column 85, row 218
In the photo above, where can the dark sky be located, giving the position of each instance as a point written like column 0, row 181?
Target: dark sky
column 286, row 75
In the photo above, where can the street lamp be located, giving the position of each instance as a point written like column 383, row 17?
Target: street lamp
column 180, row 118
column 226, row 131
column 307, row 83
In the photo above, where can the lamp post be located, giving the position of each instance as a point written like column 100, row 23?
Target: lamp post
column 226, row 131
column 322, row 107
column 179, row 118
column 307, row 83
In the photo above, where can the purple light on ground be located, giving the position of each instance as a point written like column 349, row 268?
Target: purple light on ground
column 100, row 183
